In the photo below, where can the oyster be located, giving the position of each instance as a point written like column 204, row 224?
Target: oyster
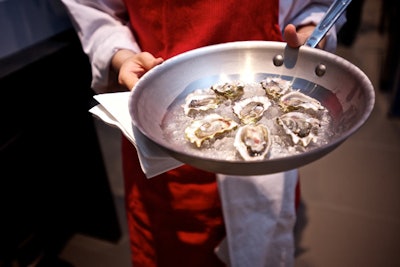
column 276, row 87
column 301, row 127
column 296, row 100
column 233, row 90
column 253, row 141
column 209, row 127
column 200, row 102
column 251, row 109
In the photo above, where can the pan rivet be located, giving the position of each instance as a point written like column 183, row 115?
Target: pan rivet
column 320, row 70
column 278, row 60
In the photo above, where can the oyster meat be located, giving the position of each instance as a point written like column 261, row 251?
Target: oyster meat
column 209, row 127
column 232, row 90
column 251, row 109
column 296, row 100
column 253, row 141
column 276, row 87
column 301, row 127
column 200, row 102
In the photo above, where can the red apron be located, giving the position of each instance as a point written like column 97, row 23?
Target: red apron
column 175, row 219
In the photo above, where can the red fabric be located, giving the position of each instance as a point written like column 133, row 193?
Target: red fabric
column 167, row 28
column 175, row 219
column 297, row 195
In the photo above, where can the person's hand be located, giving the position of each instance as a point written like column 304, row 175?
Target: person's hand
column 297, row 37
column 131, row 66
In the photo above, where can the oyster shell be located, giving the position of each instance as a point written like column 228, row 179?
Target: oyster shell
column 200, row 102
column 251, row 109
column 209, row 127
column 296, row 100
column 232, row 90
column 276, row 87
column 253, row 141
column 302, row 127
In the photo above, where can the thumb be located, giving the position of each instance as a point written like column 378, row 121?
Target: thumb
column 291, row 37
column 148, row 61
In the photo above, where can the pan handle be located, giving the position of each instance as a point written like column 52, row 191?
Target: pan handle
column 334, row 12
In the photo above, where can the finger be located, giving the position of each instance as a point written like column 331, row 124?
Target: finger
column 148, row 61
column 291, row 37
column 133, row 70
column 131, row 81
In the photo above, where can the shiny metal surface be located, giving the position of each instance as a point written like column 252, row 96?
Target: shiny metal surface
column 342, row 87
column 332, row 15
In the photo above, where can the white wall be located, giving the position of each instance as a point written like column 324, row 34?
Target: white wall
column 26, row 22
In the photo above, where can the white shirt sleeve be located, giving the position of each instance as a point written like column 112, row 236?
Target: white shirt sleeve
column 102, row 31
column 103, row 28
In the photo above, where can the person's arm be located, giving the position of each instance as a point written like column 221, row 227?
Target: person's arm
column 304, row 14
column 103, row 31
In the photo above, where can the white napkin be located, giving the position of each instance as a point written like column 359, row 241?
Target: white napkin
column 258, row 210
column 114, row 110
column 259, row 217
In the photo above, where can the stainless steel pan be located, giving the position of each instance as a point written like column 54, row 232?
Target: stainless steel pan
column 338, row 84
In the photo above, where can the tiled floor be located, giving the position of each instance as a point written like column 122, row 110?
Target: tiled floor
column 351, row 202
